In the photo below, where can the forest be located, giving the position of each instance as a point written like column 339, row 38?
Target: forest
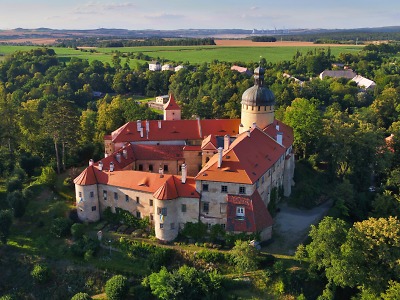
column 51, row 122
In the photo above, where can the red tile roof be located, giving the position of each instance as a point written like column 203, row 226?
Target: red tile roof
column 243, row 162
column 287, row 137
column 123, row 163
column 209, row 143
column 158, row 152
column 171, row 104
column 170, row 130
column 256, row 214
column 87, row 177
column 141, row 181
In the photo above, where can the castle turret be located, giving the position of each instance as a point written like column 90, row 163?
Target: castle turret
column 172, row 111
column 257, row 104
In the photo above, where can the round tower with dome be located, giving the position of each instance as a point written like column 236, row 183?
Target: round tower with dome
column 257, row 104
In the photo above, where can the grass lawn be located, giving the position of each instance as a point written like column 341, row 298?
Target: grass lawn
column 191, row 54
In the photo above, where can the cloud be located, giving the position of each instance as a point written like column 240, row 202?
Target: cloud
column 254, row 8
column 164, row 16
column 100, row 8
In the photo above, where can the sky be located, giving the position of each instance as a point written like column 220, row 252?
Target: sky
column 198, row 14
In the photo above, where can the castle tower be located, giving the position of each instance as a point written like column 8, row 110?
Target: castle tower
column 257, row 104
column 172, row 111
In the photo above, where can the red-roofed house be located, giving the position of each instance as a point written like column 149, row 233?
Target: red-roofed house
column 177, row 171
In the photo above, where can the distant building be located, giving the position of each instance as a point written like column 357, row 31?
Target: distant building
column 167, row 67
column 178, row 171
column 162, row 99
column 180, row 67
column 154, row 66
column 349, row 74
column 364, row 83
column 241, row 70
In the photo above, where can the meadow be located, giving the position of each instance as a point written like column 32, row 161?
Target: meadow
column 190, row 54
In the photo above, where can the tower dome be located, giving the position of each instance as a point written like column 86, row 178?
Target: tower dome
column 258, row 95
column 257, row 104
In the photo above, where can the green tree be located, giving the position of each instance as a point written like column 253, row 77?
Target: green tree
column 5, row 224
column 305, row 119
column 41, row 273
column 244, row 256
column 81, row 296
column 18, row 203
column 117, row 287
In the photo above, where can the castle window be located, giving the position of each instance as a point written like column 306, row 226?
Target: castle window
column 223, row 226
column 224, row 188
column 115, row 196
column 151, row 202
column 162, row 211
column 104, row 195
column 165, row 168
column 93, row 208
column 151, row 217
column 91, row 194
column 262, row 179
column 257, row 184
column 161, row 225
column 126, row 198
column 208, row 226
column 259, row 108
column 240, row 212
column 150, row 168
column 206, row 207
column 172, row 226
column 183, row 208
column 205, row 187
column 80, row 194
column 140, row 167
column 137, row 200
column 242, row 190
column 138, row 215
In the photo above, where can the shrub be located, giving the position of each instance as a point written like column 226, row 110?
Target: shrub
column 60, row 227
column 14, row 184
column 41, row 273
column 211, row 256
column 244, row 256
column 77, row 230
column 81, row 296
column 48, row 177
column 116, row 287
column 17, row 202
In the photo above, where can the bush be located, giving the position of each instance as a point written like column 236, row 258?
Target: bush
column 81, row 296
column 211, row 256
column 41, row 273
column 60, row 227
column 77, row 230
column 47, row 177
column 14, row 184
column 85, row 247
column 17, row 202
column 117, row 287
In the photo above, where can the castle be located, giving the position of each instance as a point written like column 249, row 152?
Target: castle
column 177, row 171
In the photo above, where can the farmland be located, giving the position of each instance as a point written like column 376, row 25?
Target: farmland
column 194, row 54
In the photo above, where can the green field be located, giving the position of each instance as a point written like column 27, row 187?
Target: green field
column 191, row 54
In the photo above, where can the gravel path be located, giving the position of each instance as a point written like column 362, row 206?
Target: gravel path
column 292, row 226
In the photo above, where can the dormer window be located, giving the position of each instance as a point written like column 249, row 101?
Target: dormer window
column 240, row 212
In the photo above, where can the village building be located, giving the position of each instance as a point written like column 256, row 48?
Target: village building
column 178, row 171
column 362, row 82
column 154, row 66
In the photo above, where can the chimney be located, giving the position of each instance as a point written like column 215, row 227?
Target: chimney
column 118, row 157
column 141, row 132
column 147, row 125
column 161, row 172
column 254, row 125
column 248, row 133
column 279, row 136
column 91, row 162
column 100, row 165
column 227, row 141
column 220, row 157
column 277, row 127
column 125, row 153
column 159, row 124
column 184, row 173
column 111, row 167
column 138, row 125
column 199, row 125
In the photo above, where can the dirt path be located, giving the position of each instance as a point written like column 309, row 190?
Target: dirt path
column 292, row 226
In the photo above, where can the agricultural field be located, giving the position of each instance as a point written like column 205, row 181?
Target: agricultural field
column 193, row 54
